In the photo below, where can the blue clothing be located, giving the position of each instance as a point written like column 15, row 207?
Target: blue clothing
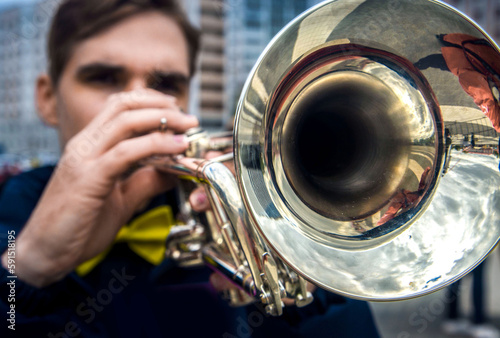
column 125, row 296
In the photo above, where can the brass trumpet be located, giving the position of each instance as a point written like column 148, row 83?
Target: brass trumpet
column 340, row 151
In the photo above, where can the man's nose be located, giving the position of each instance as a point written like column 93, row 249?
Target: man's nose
column 136, row 84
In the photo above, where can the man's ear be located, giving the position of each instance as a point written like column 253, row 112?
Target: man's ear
column 46, row 100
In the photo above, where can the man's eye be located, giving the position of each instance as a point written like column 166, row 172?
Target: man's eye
column 166, row 86
column 102, row 79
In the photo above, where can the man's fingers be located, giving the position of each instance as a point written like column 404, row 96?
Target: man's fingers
column 129, row 152
column 199, row 200
column 132, row 100
column 129, row 114
column 137, row 122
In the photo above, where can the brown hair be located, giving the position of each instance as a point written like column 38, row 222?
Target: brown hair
column 77, row 20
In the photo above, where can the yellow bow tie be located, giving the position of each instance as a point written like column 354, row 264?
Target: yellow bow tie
column 145, row 235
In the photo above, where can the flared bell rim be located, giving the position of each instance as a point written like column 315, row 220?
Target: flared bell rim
column 405, row 266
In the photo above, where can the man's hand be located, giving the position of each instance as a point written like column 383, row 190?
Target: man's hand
column 93, row 192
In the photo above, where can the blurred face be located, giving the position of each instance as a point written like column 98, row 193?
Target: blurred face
column 147, row 50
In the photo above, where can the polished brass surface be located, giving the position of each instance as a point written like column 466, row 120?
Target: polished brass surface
column 341, row 153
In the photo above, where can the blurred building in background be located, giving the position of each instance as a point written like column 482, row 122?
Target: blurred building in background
column 235, row 32
column 207, row 88
column 22, row 57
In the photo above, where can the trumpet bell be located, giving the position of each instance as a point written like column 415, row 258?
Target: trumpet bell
column 348, row 131
column 340, row 150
